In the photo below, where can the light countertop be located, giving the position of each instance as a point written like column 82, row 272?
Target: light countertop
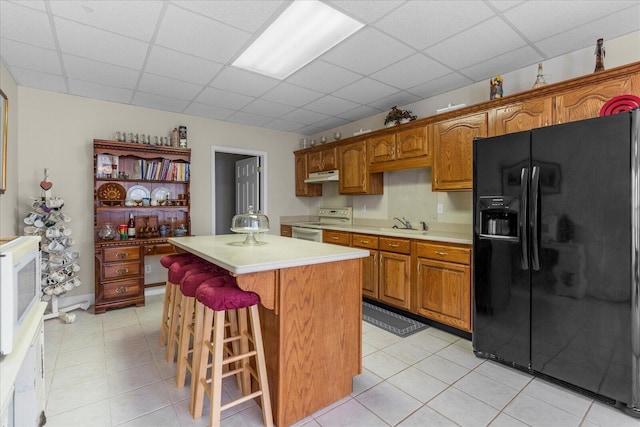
column 275, row 253
column 448, row 236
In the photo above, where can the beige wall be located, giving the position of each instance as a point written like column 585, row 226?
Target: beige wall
column 57, row 131
column 9, row 200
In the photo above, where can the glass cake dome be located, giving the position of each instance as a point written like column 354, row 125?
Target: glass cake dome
column 249, row 223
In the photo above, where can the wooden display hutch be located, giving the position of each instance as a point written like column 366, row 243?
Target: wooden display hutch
column 135, row 169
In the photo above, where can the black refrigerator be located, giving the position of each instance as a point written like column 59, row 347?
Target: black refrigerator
column 556, row 254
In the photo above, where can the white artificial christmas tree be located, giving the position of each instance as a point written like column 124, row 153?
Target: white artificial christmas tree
column 59, row 265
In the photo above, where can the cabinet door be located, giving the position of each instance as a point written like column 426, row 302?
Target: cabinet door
column 522, row 116
column 285, row 231
column 444, row 292
column 329, row 159
column 303, row 189
column 586, row 102
column 314, row 162
column 394, row 279
column 354, row 174
column 453, row 146
column 412, row 143
column 370, row 275
column 382, row 148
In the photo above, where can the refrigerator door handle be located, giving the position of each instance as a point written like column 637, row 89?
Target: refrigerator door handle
column 524, row 242
column 533, row 217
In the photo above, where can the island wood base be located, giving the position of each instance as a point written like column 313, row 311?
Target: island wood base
column 311, row 320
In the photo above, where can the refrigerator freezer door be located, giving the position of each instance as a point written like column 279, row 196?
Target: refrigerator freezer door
column 501, row 284
column 581, row 308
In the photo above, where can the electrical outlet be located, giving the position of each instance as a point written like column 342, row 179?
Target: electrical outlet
column 440, row 208
column 147, row 268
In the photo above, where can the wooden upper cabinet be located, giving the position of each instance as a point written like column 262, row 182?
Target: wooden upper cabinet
column 585, row 102
column 303, row 189
column 354, row 172
column 322, row 160
column 453, row 151
column 522, row 116
column 404, row 149
column 382, row 148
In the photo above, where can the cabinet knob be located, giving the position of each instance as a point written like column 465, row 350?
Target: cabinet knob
column 122, row 290
column 123, row 271
column 122, row 255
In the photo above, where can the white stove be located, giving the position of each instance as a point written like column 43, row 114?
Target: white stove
column 326, row 216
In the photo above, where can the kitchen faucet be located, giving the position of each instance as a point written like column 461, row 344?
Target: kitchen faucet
column 405, row 223
column 425, row 227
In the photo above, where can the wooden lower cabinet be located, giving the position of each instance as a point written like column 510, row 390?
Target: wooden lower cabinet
column 369, row 265
column 119, row 275
column 285, row 231
column 394, row 272
column 443, row 283
column 336, row 237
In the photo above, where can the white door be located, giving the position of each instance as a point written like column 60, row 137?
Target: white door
column 248, row 184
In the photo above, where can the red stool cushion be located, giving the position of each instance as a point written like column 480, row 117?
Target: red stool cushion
column 191, row 282
column 167, row 260
column 177, row 270
column 228, row 297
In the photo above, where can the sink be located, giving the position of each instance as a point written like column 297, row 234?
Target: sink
column 402, row 231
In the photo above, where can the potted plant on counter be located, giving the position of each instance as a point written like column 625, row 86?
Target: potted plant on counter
column 397, row 116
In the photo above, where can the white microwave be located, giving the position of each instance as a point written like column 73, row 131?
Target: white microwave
column 19, row 286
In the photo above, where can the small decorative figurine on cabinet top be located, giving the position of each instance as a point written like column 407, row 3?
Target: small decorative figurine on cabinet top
column 496, row 87
column 600, row 53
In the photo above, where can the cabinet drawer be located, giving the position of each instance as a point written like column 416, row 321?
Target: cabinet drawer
column 364, row 241
column 122, row 289
column 337, row 237
column 457, row 254
column 390, row 244
column 124, row 253
column 159, row 249
column 121, row 270
column 285, row 231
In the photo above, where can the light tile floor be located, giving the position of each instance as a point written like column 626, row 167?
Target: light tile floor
column 108, row 370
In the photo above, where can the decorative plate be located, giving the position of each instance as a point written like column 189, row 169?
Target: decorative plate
column 160, row 193
column 138, row 192
column 111, row 191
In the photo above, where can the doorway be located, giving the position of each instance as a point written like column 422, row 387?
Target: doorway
column 238, row 179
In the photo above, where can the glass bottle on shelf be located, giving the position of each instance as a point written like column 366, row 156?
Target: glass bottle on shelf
column 131, row 227
column 540, row 81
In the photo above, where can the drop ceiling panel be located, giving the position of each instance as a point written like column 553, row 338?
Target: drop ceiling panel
column 249, row 119
column 99, row 91
column 220, row 98
column 208, row 111
column 368, row 51
column 158, row 102
column 422, row 23
column 12, row 25
column 323, row 77
column 479, row 43
column 128, row 18
column 331, row 105
column 519, row 57
column 441, row 85
column 399, row 98
column 248, row 15
column 100, row 72
column 289, row 94
column 306, row 117
column 164, row 86
column 89, row 42
column 267, row 108
column 411, row 71
column 40, row 80
column 181, row 66
column 244, row 82
column 32, row 57
column 366, row 11
column 197, row 35
column 365, row 91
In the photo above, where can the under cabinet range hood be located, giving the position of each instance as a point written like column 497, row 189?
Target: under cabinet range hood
column 325, row 176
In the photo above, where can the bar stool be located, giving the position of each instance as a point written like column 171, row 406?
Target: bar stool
column 169, row 291
column 214, row 302
column 177, row 273
column 183, row 339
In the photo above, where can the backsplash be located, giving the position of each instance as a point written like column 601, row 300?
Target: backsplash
column 407, row 193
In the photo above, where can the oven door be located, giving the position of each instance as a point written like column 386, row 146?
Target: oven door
column 303, row 233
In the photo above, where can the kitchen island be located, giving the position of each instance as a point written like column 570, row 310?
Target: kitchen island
column 311, row 314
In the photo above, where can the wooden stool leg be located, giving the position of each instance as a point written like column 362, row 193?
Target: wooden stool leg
column 168, row 289
column 261, row 366
column 174, row 324
column 186, row 326
column 244, row 381
column 204, row 319
column 216, row 369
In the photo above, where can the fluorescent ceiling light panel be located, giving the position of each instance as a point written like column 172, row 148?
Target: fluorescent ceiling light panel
column 304, row 31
